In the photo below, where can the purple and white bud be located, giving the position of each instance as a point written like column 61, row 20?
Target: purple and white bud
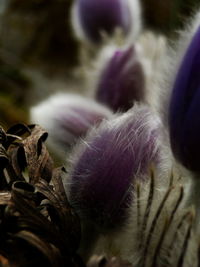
column 120, row 76
column 122, row 80
column 184, row 103
column 67, row 117
column 106, row 165
column 184, row 109
column 174, row 59
column 93, row 18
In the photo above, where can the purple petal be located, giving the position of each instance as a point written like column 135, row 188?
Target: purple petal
column 184, row 118
column 122, row 81
column 103, row 15
column 102, row 177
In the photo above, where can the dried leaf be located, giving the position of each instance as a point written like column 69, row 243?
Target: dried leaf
column 37, row 225
column 39, row 163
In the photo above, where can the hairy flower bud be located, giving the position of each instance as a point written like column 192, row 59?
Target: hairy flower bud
column 122, row 81
column 91, row 18
column 67, row 117
column 108, row 162
column 184, row 119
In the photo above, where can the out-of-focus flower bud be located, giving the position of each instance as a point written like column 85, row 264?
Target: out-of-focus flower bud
column 122, row 81
column 67, row 117
column 184, row 118
column 92, row 18
column 106, row 165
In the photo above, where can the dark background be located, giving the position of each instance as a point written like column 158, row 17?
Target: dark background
column 36, row 35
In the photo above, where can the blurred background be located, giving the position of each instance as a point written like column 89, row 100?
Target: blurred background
column 39, row 54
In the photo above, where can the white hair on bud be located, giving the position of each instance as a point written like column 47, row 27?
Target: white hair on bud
column 135, row 9
column 47, row 114
column 150, row 119
column 185, row 37
column 152, row 53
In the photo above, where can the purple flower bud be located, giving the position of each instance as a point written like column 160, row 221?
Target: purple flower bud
column 67, row 117
column 105, row 166
column 122, row 81
column 92, row 17
column 184, row 117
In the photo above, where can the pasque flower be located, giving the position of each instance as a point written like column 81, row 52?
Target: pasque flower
column 184, row 118
column 93, row 17
column 67, row 117
column 105, row 166
column 122, row 81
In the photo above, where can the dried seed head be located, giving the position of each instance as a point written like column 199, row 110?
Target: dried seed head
column 35, row 213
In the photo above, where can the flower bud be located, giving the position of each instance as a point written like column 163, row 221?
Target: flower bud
column 91, row 18
column 122, row 81
column 67, row 117
column 107, row 163
column 184, row 119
